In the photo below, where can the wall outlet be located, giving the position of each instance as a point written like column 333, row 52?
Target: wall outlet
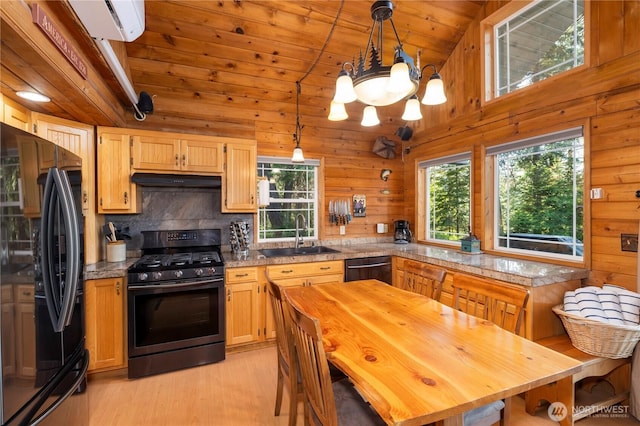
column 629, row 242
column 343, row 230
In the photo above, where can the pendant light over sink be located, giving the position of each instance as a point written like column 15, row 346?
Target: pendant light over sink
column 298, row 156
column 382, row 85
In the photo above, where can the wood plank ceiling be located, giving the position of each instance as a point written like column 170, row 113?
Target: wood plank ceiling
column 237, row 62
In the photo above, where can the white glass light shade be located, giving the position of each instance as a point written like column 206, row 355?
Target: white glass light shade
column 33, row 96
column 337, row 112
column 298, row 156
column 370, row 116
column 412, row 110
column 344, row 89
column 434, row 93
column 373, row 91
column 399, row 81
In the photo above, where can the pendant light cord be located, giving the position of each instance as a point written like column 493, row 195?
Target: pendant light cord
column 298, row 133
column 326, row 42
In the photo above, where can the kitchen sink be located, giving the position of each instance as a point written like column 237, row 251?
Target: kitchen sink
column 299, row 251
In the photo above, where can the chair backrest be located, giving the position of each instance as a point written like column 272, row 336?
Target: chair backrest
column 284, row 341
column 501, row 303
column 316, row 379
column 423, row 278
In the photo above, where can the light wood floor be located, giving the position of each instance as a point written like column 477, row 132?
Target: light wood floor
column 239, row 391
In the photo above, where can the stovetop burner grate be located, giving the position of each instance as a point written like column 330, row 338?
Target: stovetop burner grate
column 170, row 255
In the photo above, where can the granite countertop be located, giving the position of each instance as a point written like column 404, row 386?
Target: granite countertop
column 523, row 272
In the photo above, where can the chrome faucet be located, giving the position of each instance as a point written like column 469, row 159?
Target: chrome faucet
column 299, row 240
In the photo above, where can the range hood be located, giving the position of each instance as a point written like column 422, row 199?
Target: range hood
column 190, row 181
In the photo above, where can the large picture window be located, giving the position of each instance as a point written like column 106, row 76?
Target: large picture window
column 448, row 183
column 293, row 190
column 541, row 40
column 539, row 195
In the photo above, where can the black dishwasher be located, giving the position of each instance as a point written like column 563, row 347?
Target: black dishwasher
column 364, row 268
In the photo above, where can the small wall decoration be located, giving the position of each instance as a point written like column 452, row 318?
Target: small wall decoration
column 359, row 205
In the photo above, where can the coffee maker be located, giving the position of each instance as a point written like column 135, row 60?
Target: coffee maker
column 402, row 234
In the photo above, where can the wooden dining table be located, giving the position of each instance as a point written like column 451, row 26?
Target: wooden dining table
column 419, row 361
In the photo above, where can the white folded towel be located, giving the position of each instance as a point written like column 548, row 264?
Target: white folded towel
column 629, row 303
column 611, row 305
column 589, row 304
column 570, row 303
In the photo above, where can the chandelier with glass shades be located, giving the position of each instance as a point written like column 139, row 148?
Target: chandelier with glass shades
column 381, row 85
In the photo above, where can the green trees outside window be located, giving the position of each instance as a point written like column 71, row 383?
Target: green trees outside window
column 292, row 191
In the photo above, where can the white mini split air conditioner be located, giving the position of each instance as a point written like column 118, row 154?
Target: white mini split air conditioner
column 121, row 20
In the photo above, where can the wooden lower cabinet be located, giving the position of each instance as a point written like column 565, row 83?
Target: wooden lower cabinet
column 25, row 330
column 8, row 331
column 19, row 330
column 304, row 274
column 248, row 308
column 105, row 323
column 539, row 320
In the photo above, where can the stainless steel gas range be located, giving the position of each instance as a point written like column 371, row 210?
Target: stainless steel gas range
column 176, row 302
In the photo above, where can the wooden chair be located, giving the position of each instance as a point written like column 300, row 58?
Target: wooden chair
column 423, row 278
column 503, row 305
column 327, row 403
column 287, row 367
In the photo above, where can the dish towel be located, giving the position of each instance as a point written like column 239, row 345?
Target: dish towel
column 263, row 193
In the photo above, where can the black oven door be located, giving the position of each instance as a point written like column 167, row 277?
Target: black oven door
column 175, row 315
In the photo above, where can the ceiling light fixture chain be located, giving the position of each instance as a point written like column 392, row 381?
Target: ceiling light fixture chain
column 298, row 156
column 382, row 85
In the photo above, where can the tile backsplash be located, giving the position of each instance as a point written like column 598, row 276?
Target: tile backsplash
column 177, row 209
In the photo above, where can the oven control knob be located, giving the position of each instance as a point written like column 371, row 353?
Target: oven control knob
column 142, row 276
column 178, row 273
column 199, row 272
column 156, row 275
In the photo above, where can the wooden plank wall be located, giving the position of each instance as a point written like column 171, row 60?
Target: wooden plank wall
column 349, row 168
column 604, row 97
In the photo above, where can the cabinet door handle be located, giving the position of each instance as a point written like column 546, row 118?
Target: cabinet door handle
column 184, row 160
column 118, row 288
column 126, row 198
column 177, row 160
column 228, row 295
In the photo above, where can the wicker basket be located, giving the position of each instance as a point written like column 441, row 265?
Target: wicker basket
column 599, row 338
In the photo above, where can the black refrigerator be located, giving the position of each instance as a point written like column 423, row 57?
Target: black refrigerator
column 43, row 356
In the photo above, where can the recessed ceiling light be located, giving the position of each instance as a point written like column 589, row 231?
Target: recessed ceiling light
column 33, row 96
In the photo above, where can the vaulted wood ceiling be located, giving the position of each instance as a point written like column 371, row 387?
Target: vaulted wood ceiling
column 237, row 62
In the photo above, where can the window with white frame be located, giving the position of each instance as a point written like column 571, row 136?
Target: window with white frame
column 448, row 188
column 293, row 190
column 539, row 195
column 541, row 40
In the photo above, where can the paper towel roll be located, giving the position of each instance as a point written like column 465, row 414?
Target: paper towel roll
column 263, row 193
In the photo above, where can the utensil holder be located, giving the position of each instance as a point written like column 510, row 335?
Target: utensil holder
column 116, row 251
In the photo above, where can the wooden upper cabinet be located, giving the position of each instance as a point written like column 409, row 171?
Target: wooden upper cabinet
column 155, row 152
column 202, row 155
column 15, row 115
column 240, row 185
column 116, row 193
column 29, row 171
column 163, row 152
column 76, row 138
